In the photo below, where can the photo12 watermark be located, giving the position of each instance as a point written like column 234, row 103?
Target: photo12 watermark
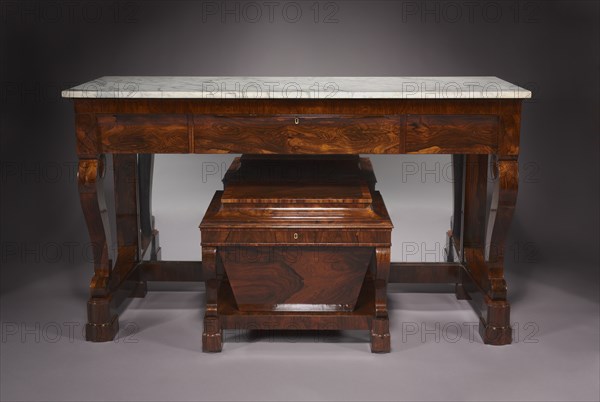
column 59, row 332
column 67, row 11
column 453, row 332
column 52, row 252
column 434, row 171
column 32, row 92
column 271, row 12
column 471, row 12
column 408, row 332
column 518, row 252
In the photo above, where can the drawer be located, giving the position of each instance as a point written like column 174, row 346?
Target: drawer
column 270, row 237
column 142, row 133
column 297, row 134
column 297, row 237
column 444, row 134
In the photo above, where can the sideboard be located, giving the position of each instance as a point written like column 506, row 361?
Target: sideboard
column 126, row 120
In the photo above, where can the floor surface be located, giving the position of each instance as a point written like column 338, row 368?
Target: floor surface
column 436, row 352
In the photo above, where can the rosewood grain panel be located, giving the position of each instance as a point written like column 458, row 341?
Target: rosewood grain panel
column 298, row 134
column 132, row 133
column 441, row 134
column 295, row 278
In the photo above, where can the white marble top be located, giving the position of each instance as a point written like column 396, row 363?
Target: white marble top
column 298, row 88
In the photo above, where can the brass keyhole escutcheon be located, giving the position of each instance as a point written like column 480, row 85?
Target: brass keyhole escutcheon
column 295, row 236
column 296, row 120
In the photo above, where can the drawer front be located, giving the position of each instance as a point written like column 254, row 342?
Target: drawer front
column 444, row 134
column 298, row 134
column 143, row 133
column 270, row 237
column 294, row 237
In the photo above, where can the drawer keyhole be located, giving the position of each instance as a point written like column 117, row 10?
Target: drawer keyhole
column 295, row 236
column 296, row 120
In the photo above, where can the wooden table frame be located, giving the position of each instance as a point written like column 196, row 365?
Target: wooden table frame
column 481, row 135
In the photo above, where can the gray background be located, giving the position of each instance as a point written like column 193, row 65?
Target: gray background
column 550, row 48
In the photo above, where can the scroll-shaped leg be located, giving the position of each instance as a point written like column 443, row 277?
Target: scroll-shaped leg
column 484, row 241
column 148, row 232
column 125, row 169
column 212, row 336
column 102, row 323
column 474, row 203
column 471, row 227
column 496, row 329
column 380, row 327
column 454, row 236
column 475, row 200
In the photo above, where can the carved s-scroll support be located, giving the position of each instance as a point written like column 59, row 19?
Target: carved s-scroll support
column 90, row 175
column 470, row 196
column 102, row 323
column 495, row 328
column 504, row 198
column 485, row 240
column 475, row 197
column 454, row 245
column 380, row 327
column 149, row 235
column 127, row 217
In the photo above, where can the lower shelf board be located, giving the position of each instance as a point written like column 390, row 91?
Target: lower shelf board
column 360, row 318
